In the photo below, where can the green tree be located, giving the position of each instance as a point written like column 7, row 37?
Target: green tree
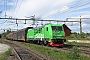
column 6, row 33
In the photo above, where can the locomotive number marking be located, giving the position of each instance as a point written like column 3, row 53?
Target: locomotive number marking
column 39, row 35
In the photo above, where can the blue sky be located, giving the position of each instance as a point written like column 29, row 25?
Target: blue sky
column 45, row 9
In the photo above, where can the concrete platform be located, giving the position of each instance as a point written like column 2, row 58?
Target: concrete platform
column 3, row 48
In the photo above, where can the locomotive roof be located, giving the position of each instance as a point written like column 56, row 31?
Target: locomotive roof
column 43, row 26
column 24, row 29
column 39, row 27
column 52, row 24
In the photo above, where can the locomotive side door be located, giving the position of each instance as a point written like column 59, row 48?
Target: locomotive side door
column 46, row 32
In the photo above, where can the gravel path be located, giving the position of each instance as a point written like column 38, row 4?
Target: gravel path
column 3, row 48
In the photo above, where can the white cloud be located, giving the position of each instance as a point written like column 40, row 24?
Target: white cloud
column 30, row 6
column 85, row 16
column 40, row 7
column 47, row 8
column 64, row 9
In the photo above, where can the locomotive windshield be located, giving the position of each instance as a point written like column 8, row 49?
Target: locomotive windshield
column 57, row 28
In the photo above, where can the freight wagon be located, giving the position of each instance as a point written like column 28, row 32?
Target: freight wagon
column 21, row 34
column 9, row 36
column 50, row 34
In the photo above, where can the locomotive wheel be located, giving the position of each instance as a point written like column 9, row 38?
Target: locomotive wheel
column 39, row 42
column 45, row 42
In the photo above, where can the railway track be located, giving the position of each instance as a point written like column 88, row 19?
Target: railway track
column 22, row 53
column 85, row 50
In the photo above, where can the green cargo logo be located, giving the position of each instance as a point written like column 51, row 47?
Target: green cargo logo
column 39, row 35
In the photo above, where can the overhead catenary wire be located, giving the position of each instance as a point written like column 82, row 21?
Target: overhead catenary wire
column 71, row 6
column 5, row 7
column 5, row 10
column 18, row 8
column 74, row 6
column 16, row 3
column 80, row 3
column 4, row 22
column 46, row 6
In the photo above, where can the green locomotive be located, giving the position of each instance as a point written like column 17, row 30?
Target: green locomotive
column 49, row 34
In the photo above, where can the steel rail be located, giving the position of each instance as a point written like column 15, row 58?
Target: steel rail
column 41, row 58
column 16, row 53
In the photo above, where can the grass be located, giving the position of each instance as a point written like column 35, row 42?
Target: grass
column 1, row 41
column 78, row 36
column 5, row 55
column 56, row 54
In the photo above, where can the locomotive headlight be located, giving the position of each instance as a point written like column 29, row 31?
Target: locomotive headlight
column 51, row 41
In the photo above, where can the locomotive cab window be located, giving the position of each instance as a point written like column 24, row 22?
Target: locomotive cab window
column 57, row 28
column 47, row 28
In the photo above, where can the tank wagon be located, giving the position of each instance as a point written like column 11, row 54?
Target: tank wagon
column 50, row 34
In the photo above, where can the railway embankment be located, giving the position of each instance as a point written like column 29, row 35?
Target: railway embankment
column 65, row 53
column 52, row 52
